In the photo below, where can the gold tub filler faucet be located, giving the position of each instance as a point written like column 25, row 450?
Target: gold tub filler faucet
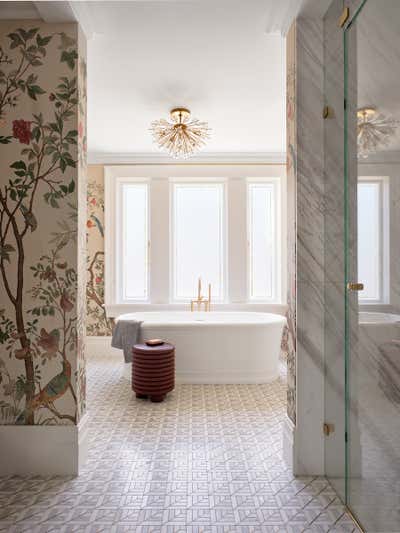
column 201, row 300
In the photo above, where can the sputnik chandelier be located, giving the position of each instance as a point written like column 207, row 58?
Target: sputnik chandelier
column 181, row 137
column 374, row 130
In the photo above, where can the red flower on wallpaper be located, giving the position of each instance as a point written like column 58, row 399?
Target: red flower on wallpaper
column 22, row 131
column 99, row 279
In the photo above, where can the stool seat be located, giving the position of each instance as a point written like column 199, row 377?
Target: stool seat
column 153, row 370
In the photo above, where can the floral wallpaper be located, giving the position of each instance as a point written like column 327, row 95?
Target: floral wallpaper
column 289, row 338
column 43, row 172
column 97, row 321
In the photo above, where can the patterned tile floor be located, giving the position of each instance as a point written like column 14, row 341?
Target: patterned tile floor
column 209, row 459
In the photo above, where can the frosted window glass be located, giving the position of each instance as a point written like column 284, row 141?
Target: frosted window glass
column 369, row 237
column 135, row 241
column 262, row 235
column 198, row 239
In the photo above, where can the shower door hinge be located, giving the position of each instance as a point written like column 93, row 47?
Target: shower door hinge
column 328, row 429
column 344, row 17
column 328, row 112
column 355, row 286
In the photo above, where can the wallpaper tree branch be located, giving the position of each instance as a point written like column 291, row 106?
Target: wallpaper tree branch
column 43, row 144
column 97, row 321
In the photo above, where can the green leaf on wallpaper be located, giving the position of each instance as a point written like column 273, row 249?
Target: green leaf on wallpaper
column 18, row 165
column 36, row 62
column 49, row 149
column 38, row 118
column 43, row 41
column 71, row 186
column 5, row 139
column 36, row 133
column 34, row 90
column 27, row 35
column 69, row 58
column 15, row 40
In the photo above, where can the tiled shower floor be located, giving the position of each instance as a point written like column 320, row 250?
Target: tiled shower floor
column 209, row 459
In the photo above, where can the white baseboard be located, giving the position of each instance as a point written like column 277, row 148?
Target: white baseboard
column 43, row 450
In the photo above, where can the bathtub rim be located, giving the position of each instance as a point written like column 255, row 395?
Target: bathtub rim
column 204, row 319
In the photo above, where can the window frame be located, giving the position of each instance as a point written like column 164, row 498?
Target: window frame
column 159, row 178
column 114, row 241
column 384, row 241
column 195, row 182
column 277, row 282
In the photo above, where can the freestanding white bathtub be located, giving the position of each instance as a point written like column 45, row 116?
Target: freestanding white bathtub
column 218, row 347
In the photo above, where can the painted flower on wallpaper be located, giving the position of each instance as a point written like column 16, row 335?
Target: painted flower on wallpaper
column 39, row 338
column 22, row 131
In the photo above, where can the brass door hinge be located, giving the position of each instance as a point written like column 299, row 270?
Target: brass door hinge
column 344, row 16
column 328, row 112
column 355, row 286
column 328, row 429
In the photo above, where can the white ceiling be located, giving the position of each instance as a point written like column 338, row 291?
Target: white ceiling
column 213, row 56
column 224, row 59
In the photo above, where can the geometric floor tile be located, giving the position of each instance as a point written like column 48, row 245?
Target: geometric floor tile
column 207, row 459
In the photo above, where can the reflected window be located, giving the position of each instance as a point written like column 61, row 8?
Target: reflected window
column 372, row 239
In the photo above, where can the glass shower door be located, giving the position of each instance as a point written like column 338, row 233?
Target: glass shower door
column 372, row 258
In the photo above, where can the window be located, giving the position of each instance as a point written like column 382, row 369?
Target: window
column 372, row 228
column 133, row 243
column 164, row 232
column 198, row 239
column 263, row 257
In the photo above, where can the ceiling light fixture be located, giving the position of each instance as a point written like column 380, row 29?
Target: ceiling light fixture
column 182, row 137
column 374, row 130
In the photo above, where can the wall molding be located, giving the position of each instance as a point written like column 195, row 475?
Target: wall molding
column 44, row 450
column 226, row 158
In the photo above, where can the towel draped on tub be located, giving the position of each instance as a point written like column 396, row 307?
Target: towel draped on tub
column 125, row 335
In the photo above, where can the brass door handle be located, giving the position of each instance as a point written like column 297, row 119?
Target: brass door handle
column 355, row 286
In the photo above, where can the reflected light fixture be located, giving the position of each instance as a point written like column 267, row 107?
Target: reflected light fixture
column 374, row 130
column 182, row 136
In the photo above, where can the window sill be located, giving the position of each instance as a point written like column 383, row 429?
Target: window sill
column 115, row 310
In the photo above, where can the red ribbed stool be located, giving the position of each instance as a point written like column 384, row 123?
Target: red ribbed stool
column 153, row 370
